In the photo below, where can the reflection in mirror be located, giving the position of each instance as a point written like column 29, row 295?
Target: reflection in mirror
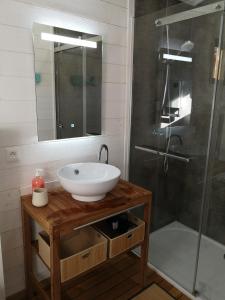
column 177, row 65
column 68, row 79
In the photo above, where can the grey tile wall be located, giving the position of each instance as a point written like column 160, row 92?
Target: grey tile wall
column 176, row 194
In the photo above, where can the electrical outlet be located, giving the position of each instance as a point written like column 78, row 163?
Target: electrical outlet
column 12, row 155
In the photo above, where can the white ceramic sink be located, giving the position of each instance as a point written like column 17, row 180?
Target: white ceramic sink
column 88, row 181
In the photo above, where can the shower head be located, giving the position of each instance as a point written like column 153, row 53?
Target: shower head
column 187, row 46
column 192, row 2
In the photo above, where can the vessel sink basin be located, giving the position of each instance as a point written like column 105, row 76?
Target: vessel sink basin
column 88, row 182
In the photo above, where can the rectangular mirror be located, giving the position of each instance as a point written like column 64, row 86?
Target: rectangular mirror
column 68, row 80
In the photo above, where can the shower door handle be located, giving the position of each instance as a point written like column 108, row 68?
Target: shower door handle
column 160, row 153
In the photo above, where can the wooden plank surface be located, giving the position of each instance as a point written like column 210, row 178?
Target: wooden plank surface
column 103, row 283
column 65, row 212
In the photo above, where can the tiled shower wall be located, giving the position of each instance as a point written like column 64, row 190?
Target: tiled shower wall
column 178, row 197
column 18, row 127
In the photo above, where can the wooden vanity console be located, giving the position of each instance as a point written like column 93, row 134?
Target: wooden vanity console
column 62, row 216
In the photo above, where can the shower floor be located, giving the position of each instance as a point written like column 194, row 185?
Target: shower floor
column 173, row 252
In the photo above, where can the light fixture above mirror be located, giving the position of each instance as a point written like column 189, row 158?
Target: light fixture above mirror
column 67, row 40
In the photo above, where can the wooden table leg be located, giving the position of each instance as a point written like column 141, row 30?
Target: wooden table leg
column 55, row 265
column 145, row 244
column 27, row 239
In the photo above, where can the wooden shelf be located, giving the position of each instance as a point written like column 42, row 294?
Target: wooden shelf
column 91, row 281
column 107, row 282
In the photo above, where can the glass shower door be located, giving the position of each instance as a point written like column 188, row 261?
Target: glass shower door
column 210, row 283
column 174, row 85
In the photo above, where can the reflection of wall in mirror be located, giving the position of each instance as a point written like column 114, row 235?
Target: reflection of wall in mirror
column 93, row 89
column 45, row 85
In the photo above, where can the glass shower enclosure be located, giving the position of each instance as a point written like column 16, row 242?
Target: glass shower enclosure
column 177, row 140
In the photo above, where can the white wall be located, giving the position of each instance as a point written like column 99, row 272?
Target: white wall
column 18, row 110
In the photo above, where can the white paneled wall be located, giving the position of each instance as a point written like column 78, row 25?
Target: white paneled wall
column 18, row 128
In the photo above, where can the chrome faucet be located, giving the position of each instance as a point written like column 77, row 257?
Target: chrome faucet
column 104, row 146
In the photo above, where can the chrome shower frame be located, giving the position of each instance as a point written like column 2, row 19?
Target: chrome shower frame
column 190, row 14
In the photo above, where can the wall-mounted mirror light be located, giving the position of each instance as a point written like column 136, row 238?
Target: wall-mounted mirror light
column 68, row 79
column 177, row 57
column 67, row 40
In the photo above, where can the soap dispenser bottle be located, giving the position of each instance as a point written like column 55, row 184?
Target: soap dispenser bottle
column 38, row 181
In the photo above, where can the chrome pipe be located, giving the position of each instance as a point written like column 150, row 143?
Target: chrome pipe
column 164, row 154
column 147, row 149
column 190, row 14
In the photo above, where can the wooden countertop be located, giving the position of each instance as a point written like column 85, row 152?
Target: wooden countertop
column 65, row 213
